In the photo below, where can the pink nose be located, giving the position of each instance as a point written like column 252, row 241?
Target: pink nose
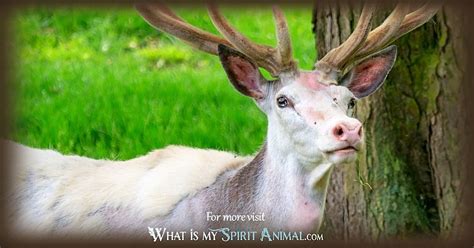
column 343, row 133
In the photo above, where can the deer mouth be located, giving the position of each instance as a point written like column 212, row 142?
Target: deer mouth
column 343, row 150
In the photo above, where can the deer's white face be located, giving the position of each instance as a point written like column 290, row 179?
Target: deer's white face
column 309, row 115
column 316, row 119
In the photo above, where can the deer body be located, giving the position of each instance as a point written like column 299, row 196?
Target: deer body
column 310, row 130
column 72, row 195
column 55, row 193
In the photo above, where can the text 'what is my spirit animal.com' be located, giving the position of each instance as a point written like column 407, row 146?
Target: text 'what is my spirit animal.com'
column 226, row 234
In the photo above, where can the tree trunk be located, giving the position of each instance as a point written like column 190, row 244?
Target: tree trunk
column 407, row 181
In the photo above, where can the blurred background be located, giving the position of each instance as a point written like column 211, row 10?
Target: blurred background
column 104, row 84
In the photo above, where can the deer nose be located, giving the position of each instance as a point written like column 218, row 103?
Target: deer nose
column 344, row 133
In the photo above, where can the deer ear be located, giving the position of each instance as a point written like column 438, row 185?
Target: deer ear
column 369, row 74
column 242, row 72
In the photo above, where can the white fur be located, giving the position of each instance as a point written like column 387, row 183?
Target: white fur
column 51, row 187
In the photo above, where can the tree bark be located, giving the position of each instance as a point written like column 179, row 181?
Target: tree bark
column 408, row 179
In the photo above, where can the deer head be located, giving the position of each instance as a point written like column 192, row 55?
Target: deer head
column 310, row 113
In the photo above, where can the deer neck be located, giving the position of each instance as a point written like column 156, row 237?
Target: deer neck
column 284, row 161
column 291, row 188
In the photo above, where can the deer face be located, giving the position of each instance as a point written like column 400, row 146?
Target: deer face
column 310, row 115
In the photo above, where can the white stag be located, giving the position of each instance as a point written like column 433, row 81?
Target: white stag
column 310, row 129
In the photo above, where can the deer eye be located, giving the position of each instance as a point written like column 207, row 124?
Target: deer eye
column 352, row 103
column 282, row 101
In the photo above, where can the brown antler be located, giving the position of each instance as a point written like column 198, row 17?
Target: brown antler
column 338, row 57
column 381, row 35
column 283, row 37
column 416, row 19
column 398, row 23
column 164, row 19
column 273, row 60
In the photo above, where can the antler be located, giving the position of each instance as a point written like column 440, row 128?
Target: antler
column 381, row 35
column 398, row 23
column 164, row 19
column 338, row 57
column 274, row 60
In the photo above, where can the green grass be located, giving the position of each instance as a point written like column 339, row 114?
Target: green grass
column 102, row 83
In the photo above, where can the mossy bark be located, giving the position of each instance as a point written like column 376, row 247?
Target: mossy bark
column 407, row 180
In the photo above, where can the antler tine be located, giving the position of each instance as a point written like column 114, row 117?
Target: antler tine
column 164, row 19
column 263, row 55
column 283, row 39
column 382, row 35
column 163, row 8
column 416, row 19
column 396, row 25
column 335, row 59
